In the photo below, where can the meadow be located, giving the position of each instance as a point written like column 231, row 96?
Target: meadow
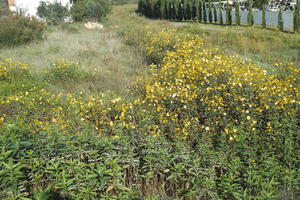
column 151, row 109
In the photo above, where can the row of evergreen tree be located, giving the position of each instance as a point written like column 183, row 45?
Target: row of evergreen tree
column 206, row 12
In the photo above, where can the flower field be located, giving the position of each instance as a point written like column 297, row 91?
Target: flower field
column 200, row 124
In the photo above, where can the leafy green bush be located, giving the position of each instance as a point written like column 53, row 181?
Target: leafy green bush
column 90, row 10
column 18, row 30
column 53, row 13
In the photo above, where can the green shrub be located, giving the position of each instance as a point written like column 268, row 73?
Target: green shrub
column 4, row 10
column 63, row 70
column 53, row 13
column 18, row 30
column 95, row 10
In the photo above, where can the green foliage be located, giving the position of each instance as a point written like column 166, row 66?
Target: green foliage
column 95, row 10
column 199, row 11
column 54, row 13
column 250, row 19
column 264, row 23
column 194, row 9
column 296, row 17
column 215, row 14
column 237, row 14
column 228, row 14
column 220, row 16
column 204, row 11
column 62, row 71
column 4, row 10
column 210, row 13
column 18, row 30
column 280, row 20
column 259, row 3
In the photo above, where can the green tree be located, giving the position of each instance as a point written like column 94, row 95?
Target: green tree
column 237, row 14
column 280, row 20
column 204, row 12
column 209, row 12
column 228, row 14
column 250, row 14
column 259, row 3
column 194, row 9
column 53, row 13
column 264, row 22
column 220, row 15
column 187, row 10
column 97, row 10
column 215, row 14
column 200, row 11
column 296, row 18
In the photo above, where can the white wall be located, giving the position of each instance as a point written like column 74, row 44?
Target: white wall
column 29, row 7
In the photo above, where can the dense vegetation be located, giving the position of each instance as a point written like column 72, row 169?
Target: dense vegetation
column 17, row 30
column 90, row 10
column 53, row 13
column 197, row 124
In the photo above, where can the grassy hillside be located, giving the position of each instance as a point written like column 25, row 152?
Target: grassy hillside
column 150, row 109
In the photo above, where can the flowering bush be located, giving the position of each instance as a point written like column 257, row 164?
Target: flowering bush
column 198, row 89
column 203, row 125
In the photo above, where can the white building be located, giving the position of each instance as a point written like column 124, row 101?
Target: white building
column 29, row 7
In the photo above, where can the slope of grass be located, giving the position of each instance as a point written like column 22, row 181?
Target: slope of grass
column 98, row 52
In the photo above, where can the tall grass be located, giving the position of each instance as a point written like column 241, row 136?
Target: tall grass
column 99, row 52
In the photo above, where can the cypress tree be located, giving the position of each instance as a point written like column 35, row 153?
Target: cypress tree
column 280, row 21
column 296, row 20
column 194, row 10
column 209, row 12
column 173, row 11
column 200, row 11
column 215, row 14
column 237, row 14
column 228, row 14
column 204, row 12
column 162, row 9
column 187, row 10
column 264, row 22
column 250, row 14
column 220, row 14
column 182, row 5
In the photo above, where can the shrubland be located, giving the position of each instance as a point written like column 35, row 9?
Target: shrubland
column 90, row 10
column 196, row 124
column 18, row 30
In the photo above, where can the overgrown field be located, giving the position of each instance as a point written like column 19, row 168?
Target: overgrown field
column 143, row 110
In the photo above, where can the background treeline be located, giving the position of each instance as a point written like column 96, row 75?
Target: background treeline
column 207, row 12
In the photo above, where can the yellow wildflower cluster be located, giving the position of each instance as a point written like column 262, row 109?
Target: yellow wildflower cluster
column 198, row 89
column 42, row 109
column 158, row 43
column 10, row 70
